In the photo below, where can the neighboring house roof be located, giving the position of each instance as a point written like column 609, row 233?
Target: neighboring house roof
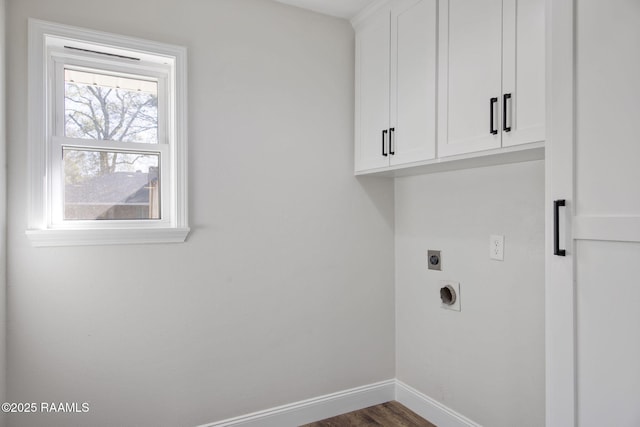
column 118, row 188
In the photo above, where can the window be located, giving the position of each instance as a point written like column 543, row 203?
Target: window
column 107, row 138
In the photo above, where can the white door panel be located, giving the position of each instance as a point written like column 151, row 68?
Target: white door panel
column 593, row 294
column 372, row 91
column 470, row 75
column 608, row 340
column 413, row 77
column 523, row 66
column 608, row 108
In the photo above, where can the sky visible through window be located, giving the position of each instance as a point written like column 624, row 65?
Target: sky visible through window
column 105, row 107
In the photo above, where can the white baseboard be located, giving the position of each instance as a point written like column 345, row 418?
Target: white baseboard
column 319, row 408
column 330, row 405
column 430, row 409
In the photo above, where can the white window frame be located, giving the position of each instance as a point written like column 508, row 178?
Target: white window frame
column 163, row 63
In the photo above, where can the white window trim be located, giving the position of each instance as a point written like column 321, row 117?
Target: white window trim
column 40, row 230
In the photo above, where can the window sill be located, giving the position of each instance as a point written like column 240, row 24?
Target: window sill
column 50, row 237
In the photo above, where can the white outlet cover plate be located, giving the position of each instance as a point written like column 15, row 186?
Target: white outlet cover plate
column 496, row 247
column 456, row 286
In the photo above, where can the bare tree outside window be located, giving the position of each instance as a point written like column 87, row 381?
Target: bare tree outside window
column 108, row 108
column 104, row 183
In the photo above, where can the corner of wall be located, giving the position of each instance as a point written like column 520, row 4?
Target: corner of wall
column 473, row 358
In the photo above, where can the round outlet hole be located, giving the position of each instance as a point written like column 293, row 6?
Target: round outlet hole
column 448, row 295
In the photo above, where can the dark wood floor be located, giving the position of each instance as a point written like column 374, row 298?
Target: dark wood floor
column 390, row 414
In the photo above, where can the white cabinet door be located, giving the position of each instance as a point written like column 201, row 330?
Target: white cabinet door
column 413, row 81
column 372, row 92
column 492, row 80
column 593, row 292
column 470, row 70
column 523, row 66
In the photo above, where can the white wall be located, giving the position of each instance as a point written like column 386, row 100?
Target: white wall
column 3, row 223
column 284, row 290
column 486, row 361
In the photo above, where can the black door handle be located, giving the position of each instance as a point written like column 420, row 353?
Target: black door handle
column 492, row 102
column 556, row 228
column 392, row 132
column 384, row 151
column 505, row 97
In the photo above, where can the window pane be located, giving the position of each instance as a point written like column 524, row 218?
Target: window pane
column 107, row 107
column 110, row 185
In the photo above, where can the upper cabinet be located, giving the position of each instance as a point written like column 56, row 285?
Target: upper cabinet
column 490, row 74
column 372, row 91
column 396, row 87
column 449, row 82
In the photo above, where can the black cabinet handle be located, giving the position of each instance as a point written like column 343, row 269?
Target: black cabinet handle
column 492, row 102
column 505, row 97
column 384, row 148
column 392, row 132
column 556, row 228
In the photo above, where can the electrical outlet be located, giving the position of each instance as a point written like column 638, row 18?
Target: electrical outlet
column 434, row 260
column 496, row 247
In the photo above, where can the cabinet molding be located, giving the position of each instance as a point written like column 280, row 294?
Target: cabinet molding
column 366, row 13
column 498, row 156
